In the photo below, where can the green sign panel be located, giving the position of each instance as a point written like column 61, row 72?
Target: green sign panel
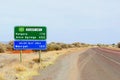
column 30, row 33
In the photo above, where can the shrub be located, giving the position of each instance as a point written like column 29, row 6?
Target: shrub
column 36, row 60
column 2, row 48
column 50, row 47
column 118, row 45
column 57, row 47
column 10, row 45
column 53, row 46
column 100, row 45
column 71, row 46
column 77, row 44
column 113, row 45
column 64, row 46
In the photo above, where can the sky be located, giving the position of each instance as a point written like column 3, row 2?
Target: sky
column 89, row 21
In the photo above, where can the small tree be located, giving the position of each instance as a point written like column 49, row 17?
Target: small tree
column 113, row 45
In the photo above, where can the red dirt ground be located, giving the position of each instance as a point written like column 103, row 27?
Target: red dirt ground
column 24, row 51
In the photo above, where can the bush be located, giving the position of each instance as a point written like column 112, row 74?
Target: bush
column 77, row 44
column 58, row 46
column 2, row 48
column 113, row 45
column 71, row 46
column 64, row 46
column 50, row 47
column 36, row 60
column 10, row 45
column 118, row 45
column 53, row 46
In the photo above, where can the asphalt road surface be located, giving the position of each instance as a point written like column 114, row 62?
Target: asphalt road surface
column 92, row 64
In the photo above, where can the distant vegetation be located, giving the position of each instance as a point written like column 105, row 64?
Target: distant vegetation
column 103, row 45
column 57, row 46
column 50, row 47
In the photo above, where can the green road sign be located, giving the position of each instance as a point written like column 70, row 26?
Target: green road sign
column 30, row 33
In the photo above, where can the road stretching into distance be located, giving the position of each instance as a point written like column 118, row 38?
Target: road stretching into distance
column 92, row 64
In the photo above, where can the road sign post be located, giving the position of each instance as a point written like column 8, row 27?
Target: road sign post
column 20, row 55
column 30, row 37
column 40, row 56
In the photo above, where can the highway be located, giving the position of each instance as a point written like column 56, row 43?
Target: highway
column 91, row 64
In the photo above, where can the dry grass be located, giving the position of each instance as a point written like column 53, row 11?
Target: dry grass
column 30, row 65
column 25, row 73
column 20, row 68
column 2, row 76
column 114, row 48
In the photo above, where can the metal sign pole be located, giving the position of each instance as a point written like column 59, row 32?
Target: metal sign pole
column 40, row 56
column 21, row 56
